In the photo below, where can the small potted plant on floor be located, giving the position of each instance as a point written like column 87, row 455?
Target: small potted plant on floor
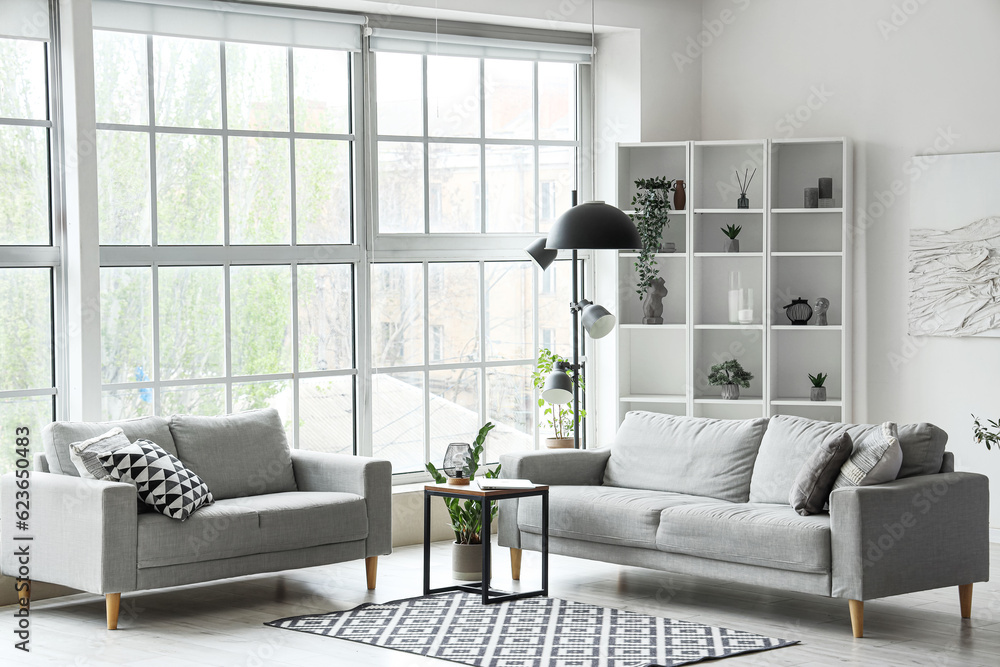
column 731, row 232
column 466, row 515
column 730, row 375
column 558, row 417
column 651, row 203
column 988, row 435
column 818, row 391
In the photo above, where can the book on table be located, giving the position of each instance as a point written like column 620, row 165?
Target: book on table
column 504, row 484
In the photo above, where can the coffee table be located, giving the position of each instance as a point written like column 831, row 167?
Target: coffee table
column 473, row 492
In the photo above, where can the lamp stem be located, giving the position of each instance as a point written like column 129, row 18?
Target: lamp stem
column 576, row 354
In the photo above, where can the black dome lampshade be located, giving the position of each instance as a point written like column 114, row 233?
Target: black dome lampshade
column 593, row 225
column 455, row 464
column 558, row 388
column 597, row 321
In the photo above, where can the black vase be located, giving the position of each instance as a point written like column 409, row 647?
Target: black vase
column 799, row 312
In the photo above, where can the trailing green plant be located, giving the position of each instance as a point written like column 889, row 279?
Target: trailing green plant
column 651, row 205
column 467, row 515
column 558, row 417
column 730, row 372
column 818, row 379
column 988, row 435
column 732, row 231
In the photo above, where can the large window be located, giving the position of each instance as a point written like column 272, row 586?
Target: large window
column 226, row 177
column 469, row 150
column 29, row 260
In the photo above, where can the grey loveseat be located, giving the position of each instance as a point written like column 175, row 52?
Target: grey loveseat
column 710, row 498
column 275, row 509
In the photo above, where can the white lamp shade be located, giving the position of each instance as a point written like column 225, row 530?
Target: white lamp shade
column 558, row 389
column 597, row 321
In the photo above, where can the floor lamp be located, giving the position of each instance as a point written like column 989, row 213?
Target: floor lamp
column 592, row 225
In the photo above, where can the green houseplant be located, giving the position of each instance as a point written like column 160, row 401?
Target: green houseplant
column 731, row 232
column 558, row 417
column 988, row 435
column 818, row 391
column 651, row 205
column 466, row 515
column 730, row 375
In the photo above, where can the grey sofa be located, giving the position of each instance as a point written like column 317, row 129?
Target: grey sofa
column 710, row 498
column 275, row 509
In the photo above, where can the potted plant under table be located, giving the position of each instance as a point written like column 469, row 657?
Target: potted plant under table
column 466, row 515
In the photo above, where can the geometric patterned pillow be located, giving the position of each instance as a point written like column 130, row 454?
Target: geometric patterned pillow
column 160, row 479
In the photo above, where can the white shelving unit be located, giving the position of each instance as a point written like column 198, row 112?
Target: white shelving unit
column 785, row 252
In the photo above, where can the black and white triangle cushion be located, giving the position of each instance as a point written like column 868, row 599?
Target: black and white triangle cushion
column 160, row 479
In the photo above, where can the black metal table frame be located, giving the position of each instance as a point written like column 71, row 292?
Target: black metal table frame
column 490, row 596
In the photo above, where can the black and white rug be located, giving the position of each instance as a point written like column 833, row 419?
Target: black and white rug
column 534, row 632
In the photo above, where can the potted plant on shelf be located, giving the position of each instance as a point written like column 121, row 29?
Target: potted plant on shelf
column 651, row 204
column 988, row 435
column 730, row 375
column 466, row 515
column 818, row 391
column 558, row 417
column 731, row 232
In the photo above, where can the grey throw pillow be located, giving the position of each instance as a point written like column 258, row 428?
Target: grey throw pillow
column 812, row 486
column 876, row 459
column 84, row 454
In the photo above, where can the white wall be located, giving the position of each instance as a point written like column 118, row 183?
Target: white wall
column 899, row 84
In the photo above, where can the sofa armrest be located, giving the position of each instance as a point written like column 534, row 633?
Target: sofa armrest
column 912, row 534
column 83, row 530
column 367, row 477
column 576, row 467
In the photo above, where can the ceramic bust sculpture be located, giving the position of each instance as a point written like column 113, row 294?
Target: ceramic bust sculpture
column 652, row 304
column 822, row 305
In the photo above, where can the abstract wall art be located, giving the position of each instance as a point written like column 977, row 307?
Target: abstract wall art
column 954, row 254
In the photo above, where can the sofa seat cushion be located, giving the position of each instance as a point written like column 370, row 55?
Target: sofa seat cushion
column 753, row 533
column 609, row 515
column 213, row 532
column 300, row 519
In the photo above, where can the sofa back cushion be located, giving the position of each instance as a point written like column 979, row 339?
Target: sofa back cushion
column 787, row 445
column 245, row 454
column 58, row 436
column 790, row 441
column 693, row 455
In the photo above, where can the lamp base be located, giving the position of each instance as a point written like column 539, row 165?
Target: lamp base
column 458, row 481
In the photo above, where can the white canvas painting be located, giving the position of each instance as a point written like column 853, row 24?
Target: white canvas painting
column 954, row 268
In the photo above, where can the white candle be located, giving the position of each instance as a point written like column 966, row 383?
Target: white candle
column 746, row 316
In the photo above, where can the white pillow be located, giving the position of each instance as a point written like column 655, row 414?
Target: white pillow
column 876, row 459
column 84, row 454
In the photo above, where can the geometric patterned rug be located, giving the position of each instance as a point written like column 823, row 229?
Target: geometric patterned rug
column 533, row 632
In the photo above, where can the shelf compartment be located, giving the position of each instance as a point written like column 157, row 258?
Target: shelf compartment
column 711, row 285
column 807, row 278
column 709, row 238
column 712, row 347
column 714, row 168
column 674, row 409
column 800, row 165
column 796, row 356
column 821, row 411
column 668, row 159
column 819, row 231
column 723, row 409
column 674, row 274
column 658, row 367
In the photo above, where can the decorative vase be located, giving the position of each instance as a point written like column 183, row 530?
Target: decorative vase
column 817, row 394
column 730, row 392
column 668, row 246
column 799, row 312
column 826, row 188
column 810, row 198
column 467, row 562
column 743, row 202
column 732, row 245
column 652, row 304
column 680, row 196
column 559, row 443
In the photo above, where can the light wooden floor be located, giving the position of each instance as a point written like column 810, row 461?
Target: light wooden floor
column 221, row 624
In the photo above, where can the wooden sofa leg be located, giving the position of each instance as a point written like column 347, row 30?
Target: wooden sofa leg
column 515, row 564
column 371, row 571
column 23, row 592
column 113, row 602
column 965, row 598
column 857, row 617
